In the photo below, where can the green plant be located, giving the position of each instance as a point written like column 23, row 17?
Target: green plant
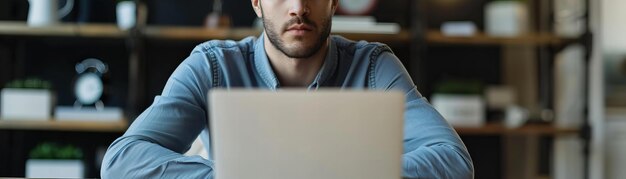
column 55, row 151
column 29, row 83
column 459, row 87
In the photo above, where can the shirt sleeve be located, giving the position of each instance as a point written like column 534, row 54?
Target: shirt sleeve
column 153, row 145
column 432, row 149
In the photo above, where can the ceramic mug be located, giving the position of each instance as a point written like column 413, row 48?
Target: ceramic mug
column 45, row 13
column 126, row 15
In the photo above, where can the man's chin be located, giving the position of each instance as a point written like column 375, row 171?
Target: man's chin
column 301, row 52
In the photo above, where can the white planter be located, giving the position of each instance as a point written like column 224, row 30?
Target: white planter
column 506, row 18
column 36, row 168
column 461, row 110
column 26, row 104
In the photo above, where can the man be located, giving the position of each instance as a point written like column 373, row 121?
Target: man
column 294, row 51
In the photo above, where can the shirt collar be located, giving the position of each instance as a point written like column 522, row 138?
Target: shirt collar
column 264, row 68
column 328, row 68
column 262, row 64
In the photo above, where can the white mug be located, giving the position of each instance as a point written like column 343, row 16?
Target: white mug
column 45, row 13
column 126, row 14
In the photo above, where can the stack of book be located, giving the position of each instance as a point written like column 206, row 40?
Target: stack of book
column 362, row 24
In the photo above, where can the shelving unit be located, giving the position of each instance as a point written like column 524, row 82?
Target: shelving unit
column 20, row 136
column 542, row 40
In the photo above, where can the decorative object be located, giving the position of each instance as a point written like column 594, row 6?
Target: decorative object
column 356, row 7
column 458, row 28
column 29, row 99
column 568, row 17
column 217, row 18
column 50, row 160
column 88, row 89
column 500, row 97
column 569, row 87
column 515, row 116
column 506, row 18
column 460, row 103
column 44, row 12
column 126, row 14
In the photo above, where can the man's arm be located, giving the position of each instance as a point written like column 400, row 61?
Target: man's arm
column 432, row 149
column 152, row 146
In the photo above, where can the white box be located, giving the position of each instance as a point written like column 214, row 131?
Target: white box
column 506, row 18
column 39, row 168
column 458, row 28
column 26, row 104
column 461, row 110
column 69, row 113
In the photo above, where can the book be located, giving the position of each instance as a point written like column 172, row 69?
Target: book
column 69, row 113
column 362, row 24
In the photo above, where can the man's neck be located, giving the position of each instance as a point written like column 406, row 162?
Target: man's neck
column 295, row 72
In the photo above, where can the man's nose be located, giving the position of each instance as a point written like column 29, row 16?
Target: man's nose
column 299, row 8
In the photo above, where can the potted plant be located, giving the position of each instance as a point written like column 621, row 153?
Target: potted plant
column 29, row 99
column 51, row 160
column 460, row 102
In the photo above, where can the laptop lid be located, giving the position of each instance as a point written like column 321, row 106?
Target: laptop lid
column 299, row 134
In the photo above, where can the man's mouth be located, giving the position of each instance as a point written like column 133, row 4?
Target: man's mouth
column 300, row 27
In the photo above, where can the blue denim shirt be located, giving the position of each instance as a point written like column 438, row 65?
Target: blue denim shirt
column 153, row 144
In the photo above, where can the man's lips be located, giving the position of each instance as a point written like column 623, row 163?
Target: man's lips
column 300, row 27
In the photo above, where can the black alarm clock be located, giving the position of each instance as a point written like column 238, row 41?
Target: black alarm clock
column 88, row 86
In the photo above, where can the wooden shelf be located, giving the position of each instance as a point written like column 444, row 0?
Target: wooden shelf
column 198, row 33
column 20, row 28
column 202, row 34
column 403, row 36
column 528, row 129
column 56, row 125
column 436, row 37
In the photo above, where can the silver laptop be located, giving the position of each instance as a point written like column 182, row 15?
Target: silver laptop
column 328, row 134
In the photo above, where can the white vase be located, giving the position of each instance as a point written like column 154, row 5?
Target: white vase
column 506, row 18
column 126, row 15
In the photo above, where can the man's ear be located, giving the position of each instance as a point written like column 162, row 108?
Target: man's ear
column 256, row 5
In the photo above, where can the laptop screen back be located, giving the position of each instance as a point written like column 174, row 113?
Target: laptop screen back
column 299, row 134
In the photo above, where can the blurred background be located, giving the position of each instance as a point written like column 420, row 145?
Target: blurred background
column 535, row 88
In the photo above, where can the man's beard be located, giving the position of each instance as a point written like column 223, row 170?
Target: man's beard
column 304, row 52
